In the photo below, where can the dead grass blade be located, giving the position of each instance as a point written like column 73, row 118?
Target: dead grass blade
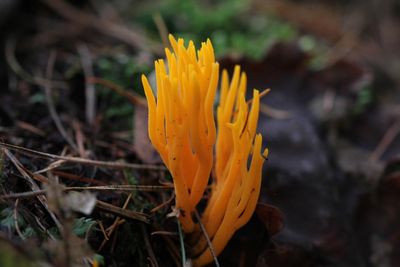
column 90, row 93
column 17, row 68
column 106, row 27
column 50, row 103
column 204, row 231
column 182, row 243
column 123, row 188
column 15, row 218
column 42, row 199
column 107, row 164
column 128, row 214
column 146, row 188
column 275, row 113
column 389, row 136
column 74, row 177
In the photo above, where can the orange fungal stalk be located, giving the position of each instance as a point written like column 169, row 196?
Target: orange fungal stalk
column 182, row 129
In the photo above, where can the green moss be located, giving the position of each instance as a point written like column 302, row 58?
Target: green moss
column 231, row 25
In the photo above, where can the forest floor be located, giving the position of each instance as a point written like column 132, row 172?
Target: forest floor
column 80, row 182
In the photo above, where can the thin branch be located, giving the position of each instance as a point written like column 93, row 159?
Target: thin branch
column 114, row 226
column 165, row 233
column 261, row 95
column 103, row 230
column 29, row 127
column 51, row 166
column 148, row 246
column 108, row 164
column 80, row 138
column 155, row 209
column 118, row 222
column 132, row 97
column 385, row 142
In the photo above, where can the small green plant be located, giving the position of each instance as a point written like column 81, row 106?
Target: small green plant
column 82, row 225
column 364, row 98
column 8, row 220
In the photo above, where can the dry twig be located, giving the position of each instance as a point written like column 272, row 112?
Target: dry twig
column 80, row 138
column 114, row 226
column 155, row 209
column 129, row 214
column 100, row 223
column 149, row 248
column 29, row 127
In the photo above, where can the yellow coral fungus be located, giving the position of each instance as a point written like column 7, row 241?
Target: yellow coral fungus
column 236, row 188
column 181, row 123
column 182, row 129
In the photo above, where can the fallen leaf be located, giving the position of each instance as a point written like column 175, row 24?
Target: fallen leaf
column 143, row 147
column 83, row 202
column 271, row 217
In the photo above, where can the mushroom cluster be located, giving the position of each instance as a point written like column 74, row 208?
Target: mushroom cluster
column 182, row 129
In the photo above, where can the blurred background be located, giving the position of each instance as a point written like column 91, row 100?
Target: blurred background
column 70, row 85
